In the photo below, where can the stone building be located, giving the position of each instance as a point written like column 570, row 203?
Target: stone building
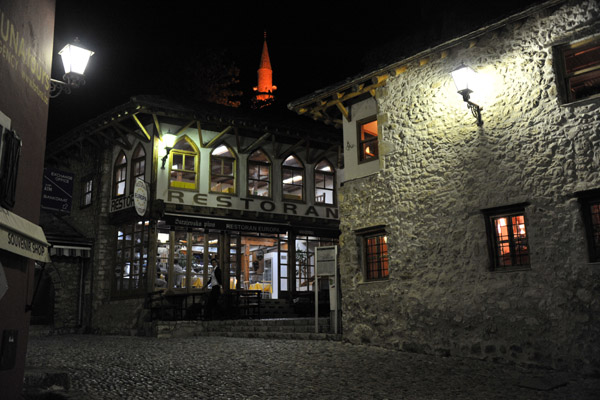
column 161, row 188
column 476, row 238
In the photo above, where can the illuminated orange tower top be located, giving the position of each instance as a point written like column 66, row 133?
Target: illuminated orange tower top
column 265, row 86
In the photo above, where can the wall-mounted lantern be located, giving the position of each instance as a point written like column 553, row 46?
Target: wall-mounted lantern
column 75, row 59
column 464, row 78
column 168, row 140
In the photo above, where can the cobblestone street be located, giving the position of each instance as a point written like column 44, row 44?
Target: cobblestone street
column 118, row 367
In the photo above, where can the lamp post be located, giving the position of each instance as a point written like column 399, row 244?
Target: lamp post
column 463, row 78
column 168, row 140
column 75, row 59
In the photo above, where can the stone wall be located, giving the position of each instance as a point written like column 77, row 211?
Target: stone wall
column 440, row 170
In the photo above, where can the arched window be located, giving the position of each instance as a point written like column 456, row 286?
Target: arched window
column 292, row 173
column 184, row 165
column 222, row 170
column 120, row 175
column 259, row 174
column 138, row 164
column 324, row 183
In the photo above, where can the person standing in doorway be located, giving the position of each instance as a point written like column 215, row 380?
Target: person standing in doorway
column 215, row 283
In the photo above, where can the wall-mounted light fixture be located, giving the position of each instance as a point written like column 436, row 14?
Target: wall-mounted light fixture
column 168, row 140
column 463, row 79
column 75, row 59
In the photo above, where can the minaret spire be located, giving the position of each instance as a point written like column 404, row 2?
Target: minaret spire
column 265, row 87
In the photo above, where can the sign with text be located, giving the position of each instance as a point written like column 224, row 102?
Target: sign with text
column 57, row 191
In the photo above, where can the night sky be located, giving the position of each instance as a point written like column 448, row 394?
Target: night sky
column 140, row 46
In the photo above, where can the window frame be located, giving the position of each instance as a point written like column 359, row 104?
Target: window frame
column 360, row 142
column 120, row 171
column 89, row 179
column 493, row 240
column 325, row 174
column 179, row 185
column 303, row 185
column 269, row 181
column 233, row 175
column 587, row 199
column 563, row 77
column 120, row 260
column 134, row 164
column 363, row 236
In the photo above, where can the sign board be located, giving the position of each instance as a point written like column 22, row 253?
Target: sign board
column 3, row 282
column 57, row 191
column 140, row 197
column 326, row 260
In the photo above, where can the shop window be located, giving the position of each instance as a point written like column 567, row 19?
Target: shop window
column 368, row 146
column 87, row 190
column 138, row 165
column 259, row 174
column 222, row 170
column 507, row 237
column 183, row 173
column 590, row 208
column 131, row 261
column 292, row 172
column 375, row 259
column 120, row 175
column 324, row 183
column 580, row 69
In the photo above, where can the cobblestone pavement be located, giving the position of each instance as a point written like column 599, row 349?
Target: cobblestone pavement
column 119, row 367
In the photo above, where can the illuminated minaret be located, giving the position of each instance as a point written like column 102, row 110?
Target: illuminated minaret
column 265, row 86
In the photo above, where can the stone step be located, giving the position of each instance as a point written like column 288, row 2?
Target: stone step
column 277, row 335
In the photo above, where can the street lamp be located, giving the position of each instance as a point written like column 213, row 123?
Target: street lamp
column 75, row 59
column 464, row 78
column 168, row 140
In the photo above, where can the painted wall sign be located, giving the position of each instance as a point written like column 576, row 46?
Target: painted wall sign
column 121, row 203
column 57, row 191
column 250, row 204
column 140, row 197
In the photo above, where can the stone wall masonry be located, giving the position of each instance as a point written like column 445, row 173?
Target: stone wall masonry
column 440, row 170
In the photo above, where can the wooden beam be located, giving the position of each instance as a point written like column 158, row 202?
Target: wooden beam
column 183, row 128
column 219, row 136
column 199, row 127
column 292, row 148
column 256, row 143
column 343, row 110
column 157, row 125
column 135, row 118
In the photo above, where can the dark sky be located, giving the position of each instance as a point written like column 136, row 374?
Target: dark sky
column 140, row 45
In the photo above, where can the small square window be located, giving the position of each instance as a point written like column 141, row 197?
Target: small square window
column 507, row 237
column 368, row 144
column 375, row 259
column 590, row 210
column 580, row 69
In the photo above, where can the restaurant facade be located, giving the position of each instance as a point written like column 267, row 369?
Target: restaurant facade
column 163, row 188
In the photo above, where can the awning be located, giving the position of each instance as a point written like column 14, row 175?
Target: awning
column 19, row 236
column 70, row 251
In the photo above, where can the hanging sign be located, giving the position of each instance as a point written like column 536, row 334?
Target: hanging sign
column 140, row 197
column 3, row 282
column 57, row 191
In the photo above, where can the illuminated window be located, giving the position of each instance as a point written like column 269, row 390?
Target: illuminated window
column 507, row 237
column 259, row 174
column 222, row 170
column 375, row 260
column 87, row 189
column 184, row 165
column 138, row 165
column 580, row 68
column 324, row 183
column 292, row 172
column 120, row 175
column 131, row 259
column 590, row 208
column 368, row 148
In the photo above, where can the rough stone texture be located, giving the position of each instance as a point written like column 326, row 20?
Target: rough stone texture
column 439, row 170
